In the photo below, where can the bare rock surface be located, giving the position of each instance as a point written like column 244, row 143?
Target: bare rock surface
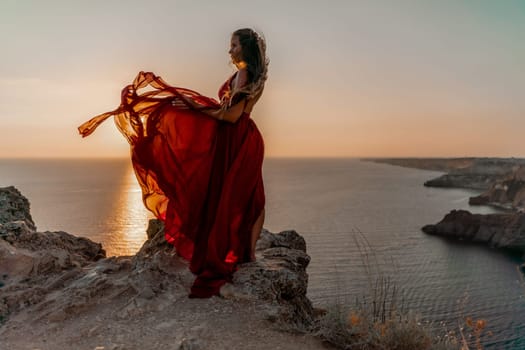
column 58, row 291
column 498, row 230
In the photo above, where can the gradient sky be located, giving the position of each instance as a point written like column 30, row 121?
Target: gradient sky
column 347, row 78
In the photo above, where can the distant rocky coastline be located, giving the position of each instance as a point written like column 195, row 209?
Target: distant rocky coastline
column 470, row 173
column 60, row 291
column 501, row 179
column 503, row 183
column 434, row 164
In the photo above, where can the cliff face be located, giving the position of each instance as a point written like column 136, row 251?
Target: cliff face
column 507, row 192
column 61, row 288
column 499, row 230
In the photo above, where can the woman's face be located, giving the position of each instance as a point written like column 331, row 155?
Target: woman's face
column 235, row 49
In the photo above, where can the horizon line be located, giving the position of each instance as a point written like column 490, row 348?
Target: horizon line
column 276, row 157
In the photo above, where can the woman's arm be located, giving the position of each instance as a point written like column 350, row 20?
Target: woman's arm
column 229, row 114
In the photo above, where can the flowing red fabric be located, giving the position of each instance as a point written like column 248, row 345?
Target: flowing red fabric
column 202, row 176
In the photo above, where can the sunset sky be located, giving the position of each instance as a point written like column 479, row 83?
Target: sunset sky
column 346, row 78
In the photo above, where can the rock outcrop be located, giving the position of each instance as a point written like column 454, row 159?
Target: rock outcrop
column 507, row 192
column 14, row 208
column 278, row 277
column 498, row 230
column 55, row 277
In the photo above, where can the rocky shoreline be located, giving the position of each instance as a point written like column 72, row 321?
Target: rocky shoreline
column 503, row 182
column 59, row 291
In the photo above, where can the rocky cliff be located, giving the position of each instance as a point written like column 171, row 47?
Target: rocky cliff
column 60, row 291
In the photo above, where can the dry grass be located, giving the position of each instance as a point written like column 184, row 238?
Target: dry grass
column 377, row 321
column 364, row 328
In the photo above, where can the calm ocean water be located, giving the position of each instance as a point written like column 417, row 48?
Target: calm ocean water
column 344, row 208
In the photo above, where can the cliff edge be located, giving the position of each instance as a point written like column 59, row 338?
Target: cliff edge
column 58, row 291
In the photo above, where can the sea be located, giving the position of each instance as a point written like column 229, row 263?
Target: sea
column 361, row 222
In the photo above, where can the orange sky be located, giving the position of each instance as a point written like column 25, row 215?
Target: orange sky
column 346, row 79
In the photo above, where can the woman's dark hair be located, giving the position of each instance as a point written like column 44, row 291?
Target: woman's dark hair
column 251, row 53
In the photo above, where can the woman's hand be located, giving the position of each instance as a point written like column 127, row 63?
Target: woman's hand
column 191, row 102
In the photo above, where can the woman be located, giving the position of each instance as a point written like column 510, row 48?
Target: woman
column 199, row 162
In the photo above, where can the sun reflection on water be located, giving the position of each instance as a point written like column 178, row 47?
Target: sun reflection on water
column 131, row 218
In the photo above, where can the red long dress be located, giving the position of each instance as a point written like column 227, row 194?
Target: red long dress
column 202, row 176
